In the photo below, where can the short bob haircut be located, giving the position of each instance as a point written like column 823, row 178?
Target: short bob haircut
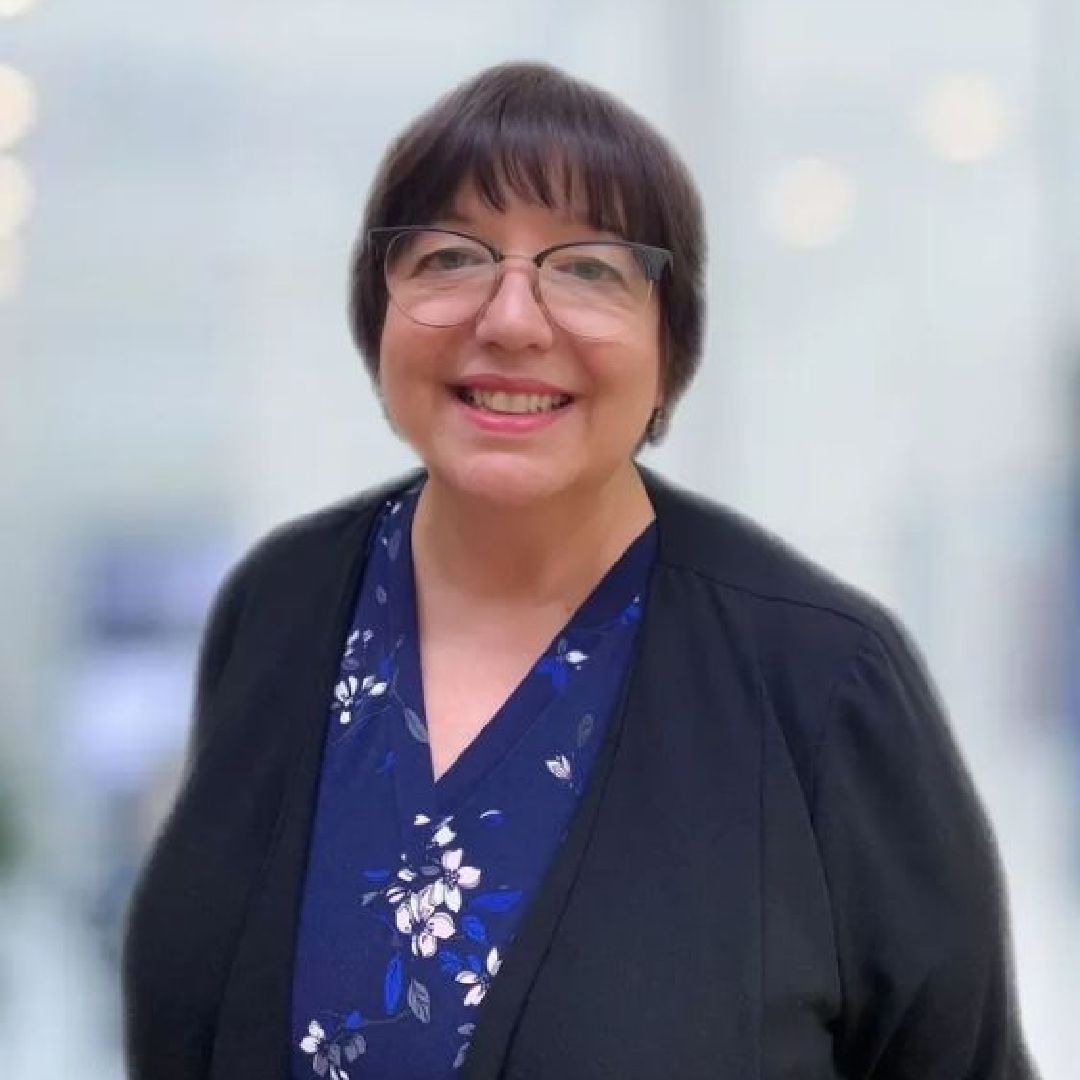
column 552, row 140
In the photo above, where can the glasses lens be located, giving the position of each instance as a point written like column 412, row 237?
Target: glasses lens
column 594, row 290
column 438, row 278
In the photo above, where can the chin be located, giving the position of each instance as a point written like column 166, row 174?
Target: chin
column 505, row 479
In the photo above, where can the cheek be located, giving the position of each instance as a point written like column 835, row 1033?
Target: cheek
column 633, row 369
column 397, row 346
column 629, row 376
column 410, row 357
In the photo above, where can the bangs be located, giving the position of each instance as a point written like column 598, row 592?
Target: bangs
column 546, row 143
column 537, row 170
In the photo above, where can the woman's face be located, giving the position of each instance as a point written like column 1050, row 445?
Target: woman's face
column 512, row 346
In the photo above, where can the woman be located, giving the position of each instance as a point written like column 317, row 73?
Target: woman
column 530, row 764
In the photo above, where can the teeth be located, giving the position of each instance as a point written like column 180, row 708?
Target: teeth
column 502, row 402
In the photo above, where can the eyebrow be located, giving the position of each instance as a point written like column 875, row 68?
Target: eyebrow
column 454, row 217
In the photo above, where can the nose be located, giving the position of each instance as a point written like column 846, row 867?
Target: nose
column 513, row 318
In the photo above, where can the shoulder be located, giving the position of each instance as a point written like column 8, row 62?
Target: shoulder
column 316, row 542
column 301, row 566
column 764, row 575
column 801, row 634
column 286, row 583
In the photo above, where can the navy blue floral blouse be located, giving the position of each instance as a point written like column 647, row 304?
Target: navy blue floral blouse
column 414, row 887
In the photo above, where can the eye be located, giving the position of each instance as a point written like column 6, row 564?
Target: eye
column 589, row 266
column 448, row 259
column 593, row 270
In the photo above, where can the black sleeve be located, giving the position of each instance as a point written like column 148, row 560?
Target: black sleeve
column 182, row 913
column 217, row 638
column 917, row 893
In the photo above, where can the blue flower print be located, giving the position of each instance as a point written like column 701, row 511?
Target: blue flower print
column 559, row 666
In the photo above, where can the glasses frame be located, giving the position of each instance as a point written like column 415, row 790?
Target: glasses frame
column 654, row 261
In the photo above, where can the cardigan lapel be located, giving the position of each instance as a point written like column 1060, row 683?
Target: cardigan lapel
column 506, row 997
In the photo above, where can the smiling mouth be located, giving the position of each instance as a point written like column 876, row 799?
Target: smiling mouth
column 511, row 404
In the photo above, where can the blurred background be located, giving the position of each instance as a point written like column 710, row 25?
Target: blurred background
column 892, row 380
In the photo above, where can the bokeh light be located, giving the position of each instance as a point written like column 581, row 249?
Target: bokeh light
column 18, row 106
column 16, row 195
column 810, row 203
column 963, row 118
column 11, row 8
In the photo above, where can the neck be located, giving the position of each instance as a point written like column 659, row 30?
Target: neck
column 550, row 552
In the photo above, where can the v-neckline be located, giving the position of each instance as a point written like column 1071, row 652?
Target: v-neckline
column 490, row 746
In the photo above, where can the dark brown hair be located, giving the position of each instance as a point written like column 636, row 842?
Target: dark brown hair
column 551, row 139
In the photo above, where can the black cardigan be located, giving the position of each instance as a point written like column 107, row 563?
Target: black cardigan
column 818, row 898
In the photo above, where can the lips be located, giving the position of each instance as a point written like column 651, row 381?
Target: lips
column 507, row 385
column 499, row 396
column 511, row 404
column 509, row 414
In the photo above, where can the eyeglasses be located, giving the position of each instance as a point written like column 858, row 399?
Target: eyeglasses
column 592, row 289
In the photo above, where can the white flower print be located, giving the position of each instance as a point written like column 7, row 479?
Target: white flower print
column 326, row 1056
column 560, row 767
column 418, row 918
column 357, row 640
column 396, row 893
column 575, row 657
column 345, row 695
column 346, row 689
column 314, row 1039
column 373, row 687
column 446, row 889
column 444, row 834
column 479, row 981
